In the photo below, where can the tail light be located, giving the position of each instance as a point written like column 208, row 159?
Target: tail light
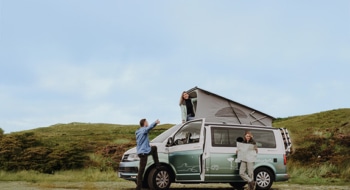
column 285, row 159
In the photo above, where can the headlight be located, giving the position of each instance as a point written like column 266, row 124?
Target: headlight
column 130, row 157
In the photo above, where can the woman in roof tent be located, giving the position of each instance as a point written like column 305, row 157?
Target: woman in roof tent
column 188, row 111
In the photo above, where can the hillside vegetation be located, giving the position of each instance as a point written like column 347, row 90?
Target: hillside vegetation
column 321, row 144
column 68, row 146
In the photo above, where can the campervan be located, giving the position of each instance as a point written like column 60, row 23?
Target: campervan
column 204, row 150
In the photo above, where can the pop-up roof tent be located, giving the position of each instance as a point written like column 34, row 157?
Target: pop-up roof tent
column 215, row 108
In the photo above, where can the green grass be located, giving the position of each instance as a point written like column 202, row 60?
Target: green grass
column 122, row 141
column 86, row 175
column 321, row 175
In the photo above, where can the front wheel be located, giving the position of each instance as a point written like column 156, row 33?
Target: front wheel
column 264, row 178
column 159, row 179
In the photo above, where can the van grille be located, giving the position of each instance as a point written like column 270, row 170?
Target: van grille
column 128, row 169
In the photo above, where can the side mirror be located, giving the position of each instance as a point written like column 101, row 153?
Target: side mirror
column 170, row 141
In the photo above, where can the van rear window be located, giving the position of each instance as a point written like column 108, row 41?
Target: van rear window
column 227, row 137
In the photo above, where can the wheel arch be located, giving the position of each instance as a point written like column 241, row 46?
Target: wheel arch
column 267, row 168
column 170, row 169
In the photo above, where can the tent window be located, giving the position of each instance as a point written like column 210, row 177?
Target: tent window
column 193, row 94
column 231, row 112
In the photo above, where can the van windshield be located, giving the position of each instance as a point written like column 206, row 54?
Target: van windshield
column 166, row 134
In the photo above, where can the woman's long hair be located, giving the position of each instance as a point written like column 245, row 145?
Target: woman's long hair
column 251, row 136
column 182, row 100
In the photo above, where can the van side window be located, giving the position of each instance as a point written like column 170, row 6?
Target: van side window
column 190, row 133
column 227, row 137
column 264, row 138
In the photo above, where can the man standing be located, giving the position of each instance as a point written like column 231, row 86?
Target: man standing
column 144, row 149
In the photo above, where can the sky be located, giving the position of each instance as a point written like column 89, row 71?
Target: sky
column 111, row 61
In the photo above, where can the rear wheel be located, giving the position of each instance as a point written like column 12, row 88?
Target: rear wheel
column 264, row 178
column 159, row 179
column 238, row 185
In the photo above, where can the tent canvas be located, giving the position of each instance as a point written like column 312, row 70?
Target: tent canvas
column 215, row 108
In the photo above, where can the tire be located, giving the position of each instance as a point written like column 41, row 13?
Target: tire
column 145, row 184
column 264, row 178
column 238, row 185
column 159, row 179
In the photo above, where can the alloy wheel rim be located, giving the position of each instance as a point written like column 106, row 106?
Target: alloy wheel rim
column 162, row 179
column 263, row 179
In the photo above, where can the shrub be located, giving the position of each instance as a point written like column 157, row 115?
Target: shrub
column 26, row 152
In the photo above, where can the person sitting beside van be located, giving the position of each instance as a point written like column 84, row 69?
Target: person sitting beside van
column 246, row 170
column 187, row 107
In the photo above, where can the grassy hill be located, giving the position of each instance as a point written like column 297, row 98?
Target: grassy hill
column 68, row 146
column 321, row 144
column 103, row 143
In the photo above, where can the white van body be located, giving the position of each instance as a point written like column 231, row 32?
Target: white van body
column 200, row 152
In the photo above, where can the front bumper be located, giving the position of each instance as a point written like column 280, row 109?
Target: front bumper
column 128, row 170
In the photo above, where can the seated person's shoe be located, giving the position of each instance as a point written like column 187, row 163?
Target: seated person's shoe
column 251, row 185
column 254, row 185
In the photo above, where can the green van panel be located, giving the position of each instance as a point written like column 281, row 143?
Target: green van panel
column 222, row 167
column 187, row 164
